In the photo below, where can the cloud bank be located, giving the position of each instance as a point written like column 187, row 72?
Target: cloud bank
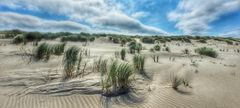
column 194, row 16
column 232, row 33
column 11, row 20
column 93, row 14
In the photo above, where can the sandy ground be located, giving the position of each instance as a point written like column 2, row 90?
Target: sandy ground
column 215, row 81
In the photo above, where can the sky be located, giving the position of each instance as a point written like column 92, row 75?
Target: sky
column 142, row 17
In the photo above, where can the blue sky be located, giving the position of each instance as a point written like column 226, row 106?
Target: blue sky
column 154, row 17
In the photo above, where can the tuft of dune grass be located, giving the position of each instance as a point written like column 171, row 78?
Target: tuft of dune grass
column 42, row 52
column 70, row 60
column 139, row 62
column 118, row 78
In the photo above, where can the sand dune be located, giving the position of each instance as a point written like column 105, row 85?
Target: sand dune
column 214, row 84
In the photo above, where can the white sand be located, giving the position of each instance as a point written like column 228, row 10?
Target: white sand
column 215, row 81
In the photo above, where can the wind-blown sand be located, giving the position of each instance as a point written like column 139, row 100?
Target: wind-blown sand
column 215, row 81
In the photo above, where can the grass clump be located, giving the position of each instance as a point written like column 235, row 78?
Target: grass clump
column 42, row 52
column 18, row 39
column 157, row 47
column 132, row 47
column 167, row 49
column 151, row 50
column 70, row 60
column 135, row 47
column 100, row 65
column 123, row 54
column 116, row 40
column 139, row 62
column 117, row 54
column 123, row 41
column 45, row 50
column 186, row 51
column 58, row 49
column 207, row 52
column 178, row 80
column 118, row 79
column 139, row 47
column 82, row 62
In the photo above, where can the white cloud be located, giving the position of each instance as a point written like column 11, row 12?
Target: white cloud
column 232, row 33
column 138, row 15
column 123, row 22
column 9, row 20
column 194, row 16
column 88, row 11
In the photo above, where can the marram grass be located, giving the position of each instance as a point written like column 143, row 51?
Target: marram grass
column 70, row 60
column 123, row 54
column 45, row 50
column 178, row 80
column 139, row 62
column 42, row 52
column 58, row 49
column 118, row 78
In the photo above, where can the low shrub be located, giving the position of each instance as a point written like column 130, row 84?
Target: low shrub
column 75, row 38
column 134, row 46
column 206, row 51
column 115, row 40
column 91, row 39
column 123, row 41
column 202, row 41
column 18, row 39
column 229, row 42
column 33, row 36
column 149, row 40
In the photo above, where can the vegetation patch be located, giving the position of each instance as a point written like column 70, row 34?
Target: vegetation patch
column 134, row 47
column 123, row 54
column 148, row 40
column 42, row 52
column 186, row 51
column 69, row 61
column 157, row 47
column 178, row 80
column 58, row 49
column 139, row 62
column 118, row 79
column 207, row 52
column 18, row 39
